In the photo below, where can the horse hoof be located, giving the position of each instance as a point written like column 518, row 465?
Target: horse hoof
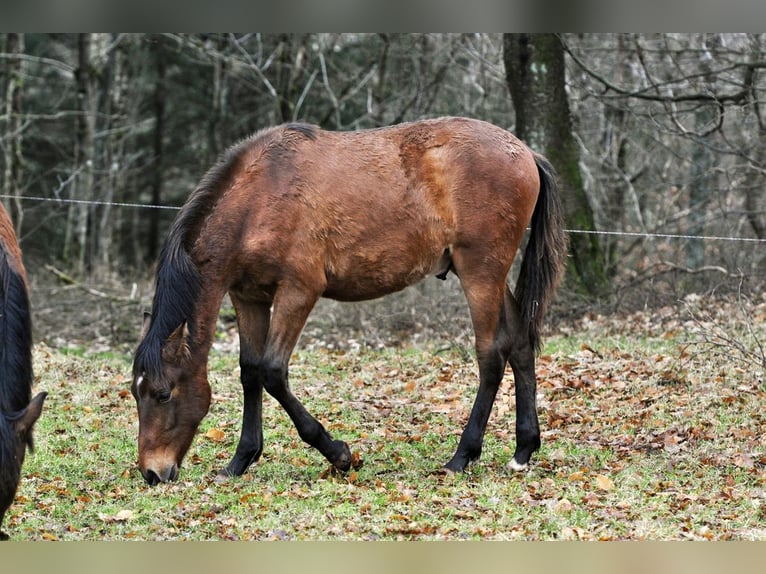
column 343, row 460
column 444, row 472
column 222, row 476
column 516, row 467
column 456, row 465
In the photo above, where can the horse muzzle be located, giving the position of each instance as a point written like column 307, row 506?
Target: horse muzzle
column 155, row 475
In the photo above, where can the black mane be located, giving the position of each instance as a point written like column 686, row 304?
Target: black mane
column 178, row 281
column 308, row 130
column 15, row 338
column 15, row 362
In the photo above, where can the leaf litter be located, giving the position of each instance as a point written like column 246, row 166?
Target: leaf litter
column 645, row 435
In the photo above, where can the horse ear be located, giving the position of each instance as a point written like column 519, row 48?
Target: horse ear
column 29, row 416
column 146, row 323
column 176, row 346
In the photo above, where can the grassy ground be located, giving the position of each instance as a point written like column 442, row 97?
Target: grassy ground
column 652, row 429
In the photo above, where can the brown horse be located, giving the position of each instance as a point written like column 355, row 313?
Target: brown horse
column 295, row 213
column 17, row 412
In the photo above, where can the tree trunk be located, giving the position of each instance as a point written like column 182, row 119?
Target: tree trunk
column 753, row 188
column 153, row 240
column 76, row 240
column 701, row 178
column 700, row 188
column 292, row 61
column 535, row 73
column 617, row 192
column 12, row 153
column 218, row 103
column 110, row 157
column 756, row 172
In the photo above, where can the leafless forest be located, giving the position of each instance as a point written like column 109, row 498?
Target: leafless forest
column 659, row 141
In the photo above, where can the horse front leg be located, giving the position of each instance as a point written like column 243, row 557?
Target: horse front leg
column 291, row 309
column 253, row 323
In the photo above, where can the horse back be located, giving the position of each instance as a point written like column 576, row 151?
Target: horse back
column 357, row 215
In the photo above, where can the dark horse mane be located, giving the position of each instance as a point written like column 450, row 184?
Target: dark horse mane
column 178, row 285
column 15, row 357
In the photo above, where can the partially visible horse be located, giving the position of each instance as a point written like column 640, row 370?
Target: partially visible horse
column 17, row 412
column 295, row 213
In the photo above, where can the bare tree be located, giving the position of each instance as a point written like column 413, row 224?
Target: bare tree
column 12, row 138
column 690, row 108
column 536, row 79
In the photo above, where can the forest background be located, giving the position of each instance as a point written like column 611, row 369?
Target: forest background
column 659, row 141
column 651, row 378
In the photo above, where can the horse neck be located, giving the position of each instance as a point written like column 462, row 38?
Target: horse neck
column 202, row 331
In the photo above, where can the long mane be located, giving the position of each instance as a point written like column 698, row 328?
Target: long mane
column 15, row 349
column 178, row 282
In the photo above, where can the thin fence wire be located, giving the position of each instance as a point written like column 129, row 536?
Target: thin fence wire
column 61, row 200
column 641, row 234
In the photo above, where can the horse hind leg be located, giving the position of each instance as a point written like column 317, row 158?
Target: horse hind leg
column 521, row 357
column 500, row 338
column 486, row 304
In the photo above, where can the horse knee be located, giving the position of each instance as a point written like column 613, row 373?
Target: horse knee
column 274, row 377
column 250, row 372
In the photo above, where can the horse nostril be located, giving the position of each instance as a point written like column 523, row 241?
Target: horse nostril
column 155, row 477
column 152, row 478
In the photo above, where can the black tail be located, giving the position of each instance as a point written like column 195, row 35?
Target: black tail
column 545, row 255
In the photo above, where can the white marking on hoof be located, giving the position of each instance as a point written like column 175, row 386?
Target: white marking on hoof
column 515, row 466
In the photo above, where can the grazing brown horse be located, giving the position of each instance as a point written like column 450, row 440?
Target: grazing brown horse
column 17, row 412
column 295, row 213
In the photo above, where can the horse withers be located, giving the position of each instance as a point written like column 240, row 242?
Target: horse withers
column 18, row 411
column 295, row 213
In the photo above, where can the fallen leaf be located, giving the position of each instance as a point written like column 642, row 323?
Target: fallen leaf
column 604, row 482
column 591, row 499
column 216, row 435
column 576, row 476
column 121, row 516
column 562, row 506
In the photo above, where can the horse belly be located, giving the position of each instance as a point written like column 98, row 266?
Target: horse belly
column 372, row 274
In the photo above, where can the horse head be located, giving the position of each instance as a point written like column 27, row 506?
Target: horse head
column 172, row 398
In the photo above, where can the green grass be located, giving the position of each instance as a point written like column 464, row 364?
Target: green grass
column 638, row 443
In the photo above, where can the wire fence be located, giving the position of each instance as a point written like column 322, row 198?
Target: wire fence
column 112, row 309
column 637, row 234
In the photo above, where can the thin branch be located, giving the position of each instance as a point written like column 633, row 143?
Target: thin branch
column 644, row 94
column 255, row 67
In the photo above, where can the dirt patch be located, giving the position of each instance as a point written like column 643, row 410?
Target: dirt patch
column 106, row 313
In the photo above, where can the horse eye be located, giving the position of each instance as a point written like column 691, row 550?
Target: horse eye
column 163, row 397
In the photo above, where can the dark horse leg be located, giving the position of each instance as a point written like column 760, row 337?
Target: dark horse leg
column 500, row 337
column 291, row 309
column 253, row 322
column 522, row 360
